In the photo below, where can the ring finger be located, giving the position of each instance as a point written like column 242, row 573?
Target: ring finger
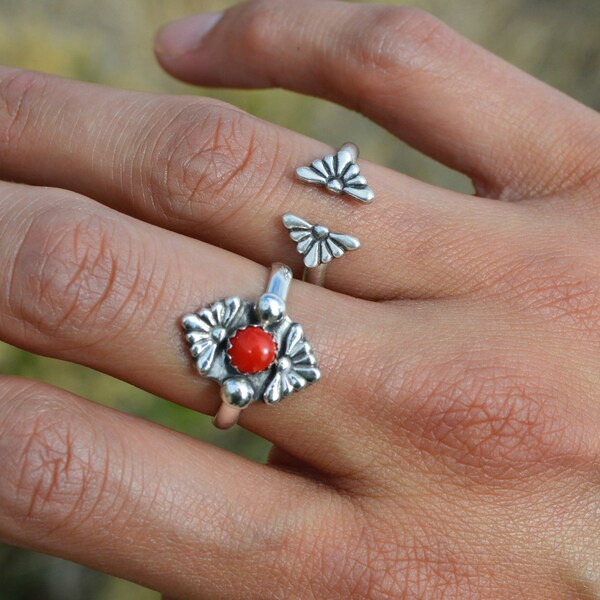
column 87, row 284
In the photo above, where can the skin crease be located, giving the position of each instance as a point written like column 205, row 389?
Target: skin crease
column 451, row 449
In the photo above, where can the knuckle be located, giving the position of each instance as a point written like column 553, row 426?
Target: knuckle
column 258, row 17
column 325, row 546
column 492, row 419
column 580, row 161
column 401, row 39
column 378, row 555
column 56, row 468
column 348, row 559
column 19, row 93
column 558, row 288
column 74, row 274
column 298, row 545
column 212, row 155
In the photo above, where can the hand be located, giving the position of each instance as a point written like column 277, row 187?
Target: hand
column 451, row 448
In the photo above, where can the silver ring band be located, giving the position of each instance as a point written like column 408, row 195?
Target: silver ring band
column 253, row 350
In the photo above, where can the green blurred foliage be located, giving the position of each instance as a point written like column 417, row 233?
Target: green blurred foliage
column 110, row 42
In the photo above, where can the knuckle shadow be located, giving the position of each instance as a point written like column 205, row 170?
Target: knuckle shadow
column 19, row 94
column 560, row 290
column 401, row 40
column 213, row 159
column 261, row 17
column 75, row 275
column 493, row 420
column 58, row 468
column 382, row 555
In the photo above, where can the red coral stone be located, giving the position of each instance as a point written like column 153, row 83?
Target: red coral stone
column 252, row 350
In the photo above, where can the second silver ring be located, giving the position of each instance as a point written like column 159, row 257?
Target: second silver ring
column 318, row 245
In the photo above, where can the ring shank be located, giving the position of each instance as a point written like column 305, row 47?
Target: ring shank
column 315, row 276
column 280, row 280
column 226, row 417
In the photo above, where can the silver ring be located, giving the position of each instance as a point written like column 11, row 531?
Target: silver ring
column 253, row 350
column 339, row 174
column 318, row 245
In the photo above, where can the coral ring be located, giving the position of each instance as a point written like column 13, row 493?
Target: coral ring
column 253, row 350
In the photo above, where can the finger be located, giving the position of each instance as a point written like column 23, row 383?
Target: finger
column 210, row 171
column 86, row 284
column 406, row 70
column 79, row 481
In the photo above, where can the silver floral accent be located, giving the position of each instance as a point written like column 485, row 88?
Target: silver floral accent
column 296, row 367
column 208, row 329
column 339, row 174
column 316, row 243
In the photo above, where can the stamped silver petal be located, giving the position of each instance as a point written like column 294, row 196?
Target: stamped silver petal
column 206, row 315
column 352, row 171
column 305, row 245
column 302, row 356
column 273, row 392
column 294, row 222
column 205, row 359
column 294, row 339
column 193, row 322
column 233, row 305
column 358, row 181
column 199, row 347
column 336, row 249
column 344, row 161
column 297, row 380
column 311, row 374
column 319, row 166
column 329, row 162
column 365, row 195
column 193, row 337
column 299, row 346
column 326, row 256
column 218, row 310
column 287, row 387
column 348, row 242
column 305, row 358
column 312, row 258
column 310, row 176
column 299, row 350
column 299, row 235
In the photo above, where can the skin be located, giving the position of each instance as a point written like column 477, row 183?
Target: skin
column 451, row 448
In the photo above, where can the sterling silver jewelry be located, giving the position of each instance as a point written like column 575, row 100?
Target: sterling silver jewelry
column 318, row 245
column 339, row 174
column 253, row 350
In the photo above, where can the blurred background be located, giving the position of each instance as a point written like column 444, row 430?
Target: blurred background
column 110, row 42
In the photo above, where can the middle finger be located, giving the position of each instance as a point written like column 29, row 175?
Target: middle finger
column 211, row 171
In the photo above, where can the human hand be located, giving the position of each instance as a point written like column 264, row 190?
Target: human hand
column 450, row 449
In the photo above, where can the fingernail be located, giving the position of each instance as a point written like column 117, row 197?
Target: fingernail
column 185, row 35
